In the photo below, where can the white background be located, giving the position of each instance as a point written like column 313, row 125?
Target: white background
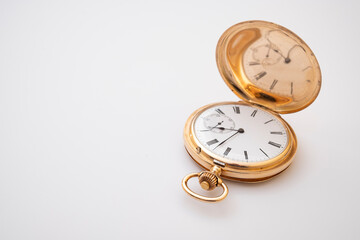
column 93, row 99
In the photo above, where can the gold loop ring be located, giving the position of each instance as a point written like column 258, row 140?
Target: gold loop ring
column 200, row 197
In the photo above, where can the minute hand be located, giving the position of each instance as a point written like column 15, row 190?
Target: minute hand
column 238, row 131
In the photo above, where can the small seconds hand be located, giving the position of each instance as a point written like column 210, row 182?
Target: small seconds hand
column 221, row 128
column 219, row 123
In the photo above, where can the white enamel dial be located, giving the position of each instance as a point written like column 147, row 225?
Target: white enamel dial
column 241, row 133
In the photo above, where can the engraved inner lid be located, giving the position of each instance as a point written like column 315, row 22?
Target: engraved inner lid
column 269, row 65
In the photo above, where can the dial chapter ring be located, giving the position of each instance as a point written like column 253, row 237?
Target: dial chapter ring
column 201, row 197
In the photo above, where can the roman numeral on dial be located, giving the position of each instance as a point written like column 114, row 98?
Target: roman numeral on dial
column 227, row 151
column 219, row 111
column 246, row 155
column 236, row 109
column 278, row 133
column 274, row 144
column 254, row 113
column 212, row 142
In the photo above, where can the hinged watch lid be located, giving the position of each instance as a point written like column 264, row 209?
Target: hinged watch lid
column 269, row 65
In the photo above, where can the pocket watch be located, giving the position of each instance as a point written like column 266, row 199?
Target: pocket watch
column 274, row 72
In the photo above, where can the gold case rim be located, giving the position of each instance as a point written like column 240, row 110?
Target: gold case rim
column 239, row 171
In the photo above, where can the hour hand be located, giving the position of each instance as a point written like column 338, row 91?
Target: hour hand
column 240, row 130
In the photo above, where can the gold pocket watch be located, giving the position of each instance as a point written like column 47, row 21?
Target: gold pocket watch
column 274, row 72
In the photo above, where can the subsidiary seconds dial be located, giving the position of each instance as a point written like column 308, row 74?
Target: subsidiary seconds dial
column 252, row 135
column 218, row 122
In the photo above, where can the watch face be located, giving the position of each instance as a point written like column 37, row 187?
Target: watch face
column 278, row 63
column 241, row 133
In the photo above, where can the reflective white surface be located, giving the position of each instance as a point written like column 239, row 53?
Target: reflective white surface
column 94, row 96
column 254, row 136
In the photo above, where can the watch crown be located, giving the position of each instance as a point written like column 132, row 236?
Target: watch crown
column 208, row 180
